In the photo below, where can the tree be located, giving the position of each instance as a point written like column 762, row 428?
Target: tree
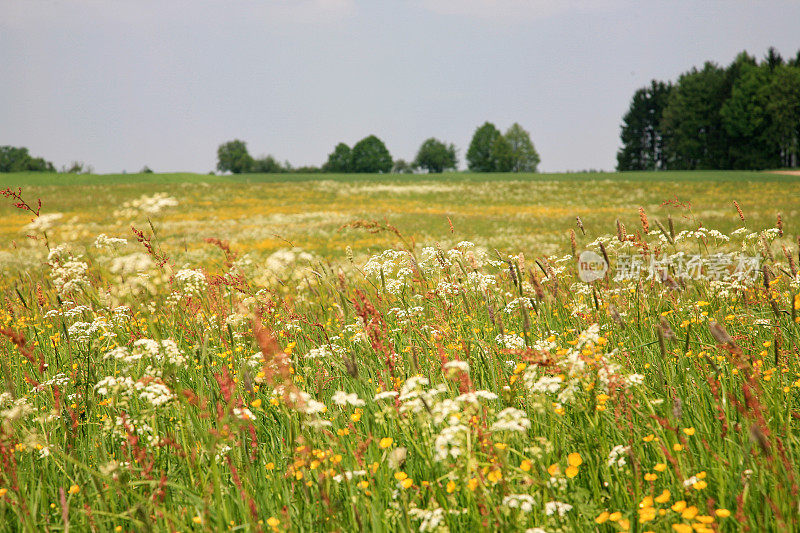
column 773, row 59
column 402, row 167
column 642, row 136
column 370, row 155
column 233, row 157
column 340, row 160
column 502, row 155
column 783, row 106
column 692, row 124
column 77, row 167
column 17, row 159
column 436, row 156
column 266, row 165
column 481, row 153
column 747, row 121
column 525, row 158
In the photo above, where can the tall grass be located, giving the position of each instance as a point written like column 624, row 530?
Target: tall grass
column 423, row 388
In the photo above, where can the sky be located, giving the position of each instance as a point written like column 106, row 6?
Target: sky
column 120, row 84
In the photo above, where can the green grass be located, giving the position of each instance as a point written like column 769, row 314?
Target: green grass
column 258, row 214
column 707, row 424
column 44, row 179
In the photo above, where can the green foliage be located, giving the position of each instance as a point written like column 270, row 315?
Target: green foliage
column 502, row 155
column 17, row 159
column 266, row 165
column 747, row 120
column 481, row 156
column 692, row 120
column 525, row 158
column 491, row 151
column 370, row 155
column 642, row 137
column 77, row 167
column 340, row 160
column 390, row 390
column 746, row 116
column 783, row 108
column 401, row 166
column 233, row 157
column 436, row 156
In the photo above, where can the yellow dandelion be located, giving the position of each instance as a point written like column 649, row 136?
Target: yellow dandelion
column 678, row 506
column 386, row 442
column 574, row 459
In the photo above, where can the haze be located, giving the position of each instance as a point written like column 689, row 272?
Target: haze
column 120, row 84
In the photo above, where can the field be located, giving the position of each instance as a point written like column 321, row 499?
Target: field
column 399, row 353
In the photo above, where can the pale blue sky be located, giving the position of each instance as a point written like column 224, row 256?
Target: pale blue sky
column 124, row 83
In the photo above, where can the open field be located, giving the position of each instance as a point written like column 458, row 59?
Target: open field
column 438, row 379
column 258, row 214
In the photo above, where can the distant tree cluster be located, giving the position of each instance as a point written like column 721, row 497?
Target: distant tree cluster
column 233, row 157
column 745, row 116
column 17, row 159
column 489, row 151
column 367, row 155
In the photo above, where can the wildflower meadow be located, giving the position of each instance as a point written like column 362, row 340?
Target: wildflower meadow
column 162, row 372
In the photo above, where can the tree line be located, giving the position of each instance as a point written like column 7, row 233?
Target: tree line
column 19, row 159
column 489, row 151
column 744, row 116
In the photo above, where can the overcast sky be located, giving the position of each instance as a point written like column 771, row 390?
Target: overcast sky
column 120, row 84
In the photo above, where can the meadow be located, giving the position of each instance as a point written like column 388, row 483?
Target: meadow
column 399, row 353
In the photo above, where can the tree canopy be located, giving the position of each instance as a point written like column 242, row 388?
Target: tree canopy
column 482, row 153
column 744, row 116
column 370, row 155
column 491, row 151
column 232, row 156
column 340, row 160
column 436, row 156
column 642, row 135
column 524, row 157
column 17, row 159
